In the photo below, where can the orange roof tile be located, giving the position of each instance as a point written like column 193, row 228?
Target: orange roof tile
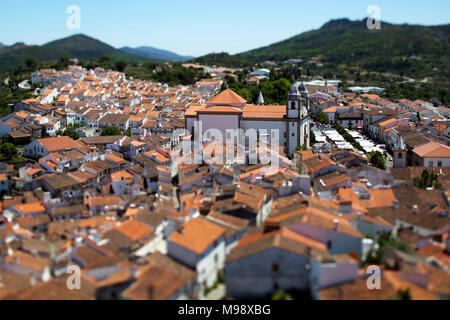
column 432, row 150
column 227, row 97
column 134, row 230
column 30, row 207
column 59, row 143
column 197, row 235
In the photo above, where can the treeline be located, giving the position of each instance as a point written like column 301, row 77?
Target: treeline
column 348, row 137
column 225, row 59
column 274, row 92
column 173, row 74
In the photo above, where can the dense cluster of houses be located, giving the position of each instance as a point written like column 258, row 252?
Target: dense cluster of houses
column 140, row 223
column 421, row 132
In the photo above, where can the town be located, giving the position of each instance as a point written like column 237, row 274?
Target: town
column 89, row 178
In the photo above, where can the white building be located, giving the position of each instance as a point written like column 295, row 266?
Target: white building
column 200, row 245
column 228, row 110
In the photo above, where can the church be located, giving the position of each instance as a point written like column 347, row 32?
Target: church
column 228, row 110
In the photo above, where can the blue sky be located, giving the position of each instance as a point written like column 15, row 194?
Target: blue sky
column 197, row 27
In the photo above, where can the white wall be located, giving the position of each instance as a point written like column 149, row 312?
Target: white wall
column 253, row 276
column 268, row 125
column 340, row 243
column 220, row 122
column 205, row 264
column 445, row 162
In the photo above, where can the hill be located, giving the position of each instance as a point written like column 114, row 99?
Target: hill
column 78, row 46
column 156, row 54
column 411, row 49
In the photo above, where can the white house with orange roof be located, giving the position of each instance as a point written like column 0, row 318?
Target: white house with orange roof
column 264, row 263
column 336, row 233
column 46, row 146
column 431, row 154
column 200, row 245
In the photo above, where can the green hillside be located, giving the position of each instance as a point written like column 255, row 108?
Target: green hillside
column 409, row 49
column 77, row 46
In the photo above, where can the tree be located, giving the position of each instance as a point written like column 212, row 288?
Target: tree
column 376, row 158
column 31, row 63
column 321, row 116
column 427, row 180
column 301, row 148
column 312, row 137
column 110, row 131
column 8, row 150
column 121, row 65
column 103, row 59
column 64, row 60
column 71, row 133
column 281, row 295
column 404, row 294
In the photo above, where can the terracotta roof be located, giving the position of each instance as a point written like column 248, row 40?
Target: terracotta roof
column 103, row 201
column 30, row 207
column 154, row 283
column 134, row 230
column 197, row 235
column 227, row 97
column 220, row 109
column 432, row 150
column 265, row 112
column 283, row 239
column 59, row 143
column 122, row 174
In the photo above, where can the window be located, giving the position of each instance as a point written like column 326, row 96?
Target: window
column 293, row 134
column 430, row 163
column 275, row 267
column 400, row 155
column 292, row 105
column 329, row 243
column 439, row 163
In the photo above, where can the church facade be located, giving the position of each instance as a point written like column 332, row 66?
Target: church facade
column 228, row 110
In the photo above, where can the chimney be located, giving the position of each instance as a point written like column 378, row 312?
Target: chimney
column 395, row 204
column 336, row 224
column 415, row 209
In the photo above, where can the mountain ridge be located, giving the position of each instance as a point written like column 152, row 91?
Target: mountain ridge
column 350, row 42
column 78, row 46
column 153, row 53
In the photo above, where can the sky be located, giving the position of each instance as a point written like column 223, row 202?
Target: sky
column 197, row 27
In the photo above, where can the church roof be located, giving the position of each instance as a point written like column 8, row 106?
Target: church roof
column 294, row 90
column 227, row 97
column 220, row 109
column 260, row 99
column 303, row 88
column 264, row 112
column 400, row 145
